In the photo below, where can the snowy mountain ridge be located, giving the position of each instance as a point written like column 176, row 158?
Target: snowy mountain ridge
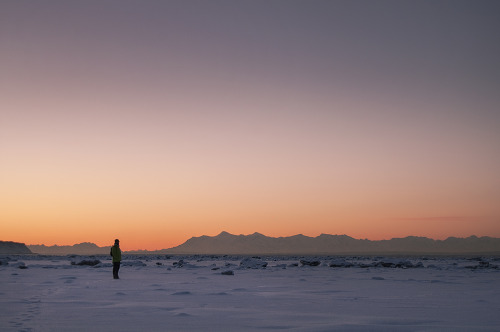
column 256, row 243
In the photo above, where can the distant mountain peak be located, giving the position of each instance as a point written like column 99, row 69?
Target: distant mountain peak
column 224, row 234
column 257, row 234
column 86, row 245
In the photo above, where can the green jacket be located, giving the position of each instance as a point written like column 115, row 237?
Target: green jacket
column 116, row 253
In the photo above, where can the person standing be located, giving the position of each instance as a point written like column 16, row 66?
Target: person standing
column 116, row 253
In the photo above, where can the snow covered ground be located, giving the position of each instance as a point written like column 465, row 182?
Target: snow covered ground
column 159, row 293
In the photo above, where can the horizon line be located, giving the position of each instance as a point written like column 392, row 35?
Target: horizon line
column 258, row 233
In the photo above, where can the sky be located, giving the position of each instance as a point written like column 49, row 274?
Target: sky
column 156, row 121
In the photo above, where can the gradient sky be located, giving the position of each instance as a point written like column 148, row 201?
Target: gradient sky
column 155, row 121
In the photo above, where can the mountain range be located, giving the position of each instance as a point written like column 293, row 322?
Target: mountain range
column 226, row 243
column 256, row 243
column 85, row 248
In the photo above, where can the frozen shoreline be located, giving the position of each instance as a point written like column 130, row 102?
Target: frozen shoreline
column 48, row 293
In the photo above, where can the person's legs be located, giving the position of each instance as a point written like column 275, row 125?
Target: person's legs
column 116, row 267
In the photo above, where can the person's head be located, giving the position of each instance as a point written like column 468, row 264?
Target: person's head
column 117, row 242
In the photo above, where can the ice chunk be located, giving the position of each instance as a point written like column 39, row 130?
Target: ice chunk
column 252, row 263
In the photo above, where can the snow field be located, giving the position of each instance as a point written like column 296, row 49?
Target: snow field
column 154, row 294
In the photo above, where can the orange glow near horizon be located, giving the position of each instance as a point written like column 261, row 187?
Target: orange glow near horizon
column 155, row 204
column 151, row 235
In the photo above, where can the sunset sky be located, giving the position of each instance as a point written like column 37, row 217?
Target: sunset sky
column 155, row 121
